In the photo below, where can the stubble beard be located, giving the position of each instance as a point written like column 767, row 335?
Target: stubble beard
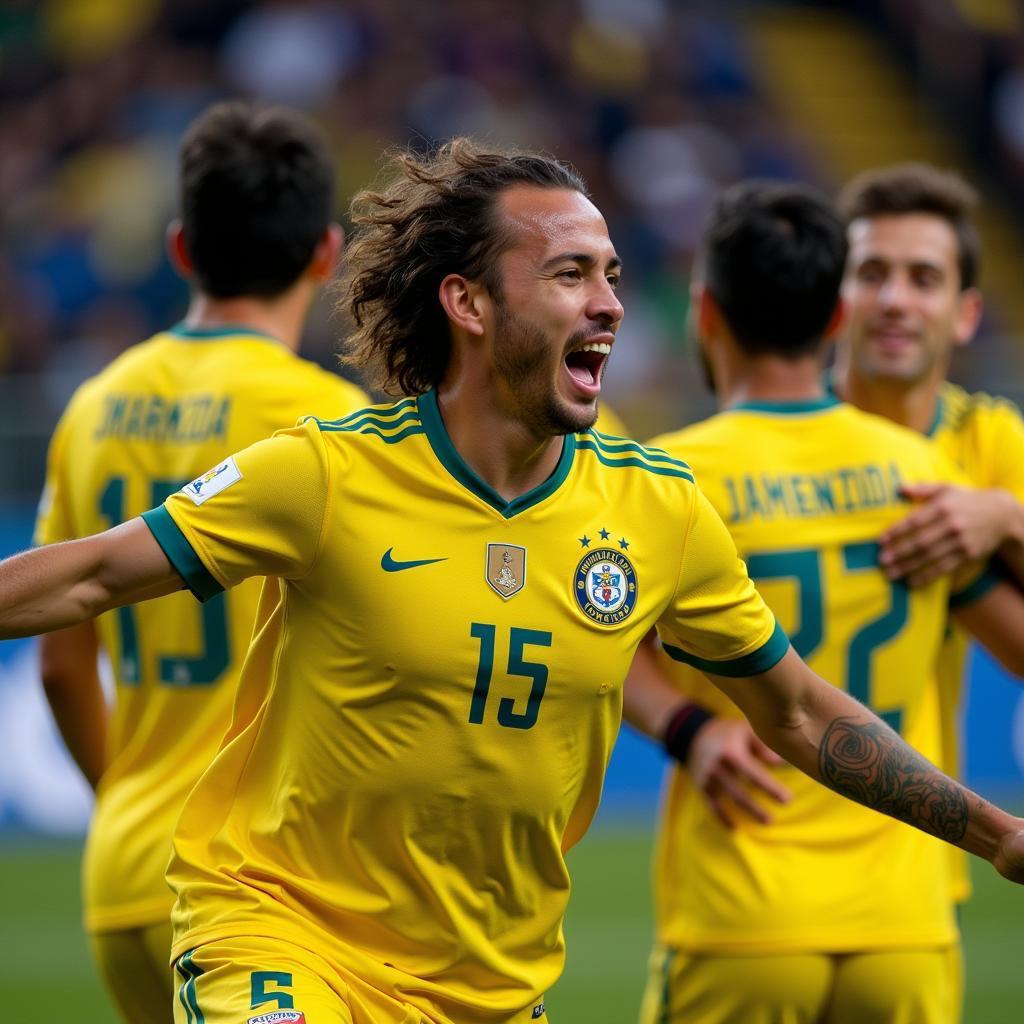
column 907, row 371
column 522, row 358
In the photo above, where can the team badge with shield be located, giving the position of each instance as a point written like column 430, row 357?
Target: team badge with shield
column 605, row 586
column 506, row 568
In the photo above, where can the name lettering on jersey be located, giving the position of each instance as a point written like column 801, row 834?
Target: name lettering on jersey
column 506, row 569
column 182, row 420
column 808, row 495
column 605, row 586
column 279, row 1017
column 212, row 482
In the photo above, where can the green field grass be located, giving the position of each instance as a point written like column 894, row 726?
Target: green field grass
column 46, row 975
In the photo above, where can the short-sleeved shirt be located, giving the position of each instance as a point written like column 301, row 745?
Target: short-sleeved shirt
column 433, row 691
column 158, row 415
column 806, row 489
column 984, row 436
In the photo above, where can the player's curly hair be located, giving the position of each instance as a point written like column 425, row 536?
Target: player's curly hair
column 428, row 217
column 919, row 188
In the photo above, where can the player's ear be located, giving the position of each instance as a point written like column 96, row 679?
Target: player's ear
column 835, row 321
column 464, row 302
column 327, row 253
column 177, row 250
column 970, row 307
column 708, row 313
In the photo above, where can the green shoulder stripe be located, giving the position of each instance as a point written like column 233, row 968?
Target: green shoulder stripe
column 672, row 468
column 376, row 412
column 765, row 657
column 370, row 420
column 410, row 431
column 614, row 445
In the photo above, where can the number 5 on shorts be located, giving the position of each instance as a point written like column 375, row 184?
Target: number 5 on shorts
column 260, row 995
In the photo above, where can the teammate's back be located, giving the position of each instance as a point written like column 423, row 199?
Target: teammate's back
column 160, row 415
column 256, row 242
column 805, row 504
column 823, row 912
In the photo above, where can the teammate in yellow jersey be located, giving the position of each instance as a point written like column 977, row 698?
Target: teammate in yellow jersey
column 828, row 914
column 256, row 241
column 460, row 581
column 912, row 296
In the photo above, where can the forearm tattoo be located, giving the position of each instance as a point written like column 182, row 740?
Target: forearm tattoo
column 869, row 763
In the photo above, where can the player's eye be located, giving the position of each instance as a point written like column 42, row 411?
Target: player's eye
column 927, row 278
column 871, row 273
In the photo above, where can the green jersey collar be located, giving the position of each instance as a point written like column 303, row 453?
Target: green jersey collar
column 789, row 408
column 186, row 333
column 448, row 456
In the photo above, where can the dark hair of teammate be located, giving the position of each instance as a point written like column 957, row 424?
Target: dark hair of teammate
column 773, row 257
column 256, row 187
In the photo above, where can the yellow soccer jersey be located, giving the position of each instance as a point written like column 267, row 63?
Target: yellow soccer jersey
column 433, row 692
column 984, row 436
column 805, row 489
column 157, row 416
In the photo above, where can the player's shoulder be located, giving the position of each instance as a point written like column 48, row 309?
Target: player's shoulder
column 313, row 380
column 893, row 443
column 128, row 366
column 386, row 422
column 959, row 409
column 614, row 455
column 694, row 436
column 875, row 429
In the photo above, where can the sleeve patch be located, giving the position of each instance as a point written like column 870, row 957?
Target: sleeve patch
column 212, row 482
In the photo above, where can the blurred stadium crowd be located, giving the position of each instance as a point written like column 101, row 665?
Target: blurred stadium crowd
column 658, row 102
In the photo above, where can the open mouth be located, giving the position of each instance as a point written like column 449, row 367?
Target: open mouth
column 585, row 363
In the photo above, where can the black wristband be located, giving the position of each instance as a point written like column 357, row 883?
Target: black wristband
column 686, row 721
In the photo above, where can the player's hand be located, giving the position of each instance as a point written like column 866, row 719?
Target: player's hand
column 951, row 527
column 727, row 763
column 1009, row 858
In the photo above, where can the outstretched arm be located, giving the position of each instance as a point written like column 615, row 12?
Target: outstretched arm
column 61, row 585
column 834, row 739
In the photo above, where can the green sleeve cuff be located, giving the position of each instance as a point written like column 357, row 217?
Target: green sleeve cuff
column 769, row 654
column 180, row 554
column 976, row 590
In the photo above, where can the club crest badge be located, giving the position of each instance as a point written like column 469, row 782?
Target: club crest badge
column 605, row 586
column 506, row 568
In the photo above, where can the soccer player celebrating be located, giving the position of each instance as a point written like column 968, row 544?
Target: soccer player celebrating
column 829, row 913
column 461, row 579
column 912, row 298
column 256, row 240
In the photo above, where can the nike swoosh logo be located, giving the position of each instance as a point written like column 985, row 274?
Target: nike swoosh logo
column 388, row 564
